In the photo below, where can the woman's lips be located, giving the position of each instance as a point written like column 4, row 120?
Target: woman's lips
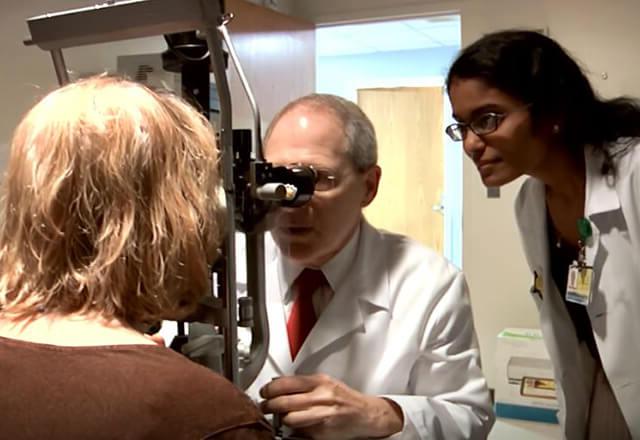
column 484, row 166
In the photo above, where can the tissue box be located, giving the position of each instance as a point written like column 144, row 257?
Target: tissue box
column 525, row 387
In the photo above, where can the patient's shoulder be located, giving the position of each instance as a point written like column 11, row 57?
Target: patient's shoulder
column 184, row 390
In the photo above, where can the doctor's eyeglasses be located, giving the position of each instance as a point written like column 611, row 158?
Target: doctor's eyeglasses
column 325, row 179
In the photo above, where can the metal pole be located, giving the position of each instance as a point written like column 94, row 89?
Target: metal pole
column 257, row 133
column 230, row 359
column 59, row 66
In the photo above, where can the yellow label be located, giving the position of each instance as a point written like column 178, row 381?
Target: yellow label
column 541, row 387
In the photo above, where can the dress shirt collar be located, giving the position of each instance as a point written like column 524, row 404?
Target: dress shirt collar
column 335, row 270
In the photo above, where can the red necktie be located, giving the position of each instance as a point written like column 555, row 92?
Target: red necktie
column 303, row 317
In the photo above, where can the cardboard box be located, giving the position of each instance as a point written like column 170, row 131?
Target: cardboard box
column 525, row 387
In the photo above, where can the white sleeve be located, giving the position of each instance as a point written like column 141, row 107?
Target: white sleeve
column 448, row 396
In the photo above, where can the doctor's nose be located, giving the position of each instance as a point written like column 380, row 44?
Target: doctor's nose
column 292, row 213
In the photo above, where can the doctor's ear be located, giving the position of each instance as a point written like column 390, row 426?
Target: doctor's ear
column 372, row 180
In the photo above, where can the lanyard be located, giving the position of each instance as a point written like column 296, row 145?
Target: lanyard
column 585, row 232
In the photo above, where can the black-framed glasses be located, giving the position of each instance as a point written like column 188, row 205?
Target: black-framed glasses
column 325, row 179
column 484, row 124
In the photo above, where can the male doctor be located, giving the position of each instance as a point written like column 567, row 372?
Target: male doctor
column 371, row 333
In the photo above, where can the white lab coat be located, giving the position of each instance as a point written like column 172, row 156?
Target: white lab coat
column 399, row 326
column 613, row 208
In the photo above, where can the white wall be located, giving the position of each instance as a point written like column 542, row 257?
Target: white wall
column 604, row 36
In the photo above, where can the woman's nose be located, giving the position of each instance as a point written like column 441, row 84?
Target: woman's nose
column 473, row 144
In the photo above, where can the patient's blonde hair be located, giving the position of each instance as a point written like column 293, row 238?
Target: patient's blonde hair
column 110, row 205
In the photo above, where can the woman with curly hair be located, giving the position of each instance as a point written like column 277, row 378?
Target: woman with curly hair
column 109, row 223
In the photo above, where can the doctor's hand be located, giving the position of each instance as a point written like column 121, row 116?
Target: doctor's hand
column 322, row 407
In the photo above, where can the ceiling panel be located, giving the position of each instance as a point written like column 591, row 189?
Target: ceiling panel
column 414, row 33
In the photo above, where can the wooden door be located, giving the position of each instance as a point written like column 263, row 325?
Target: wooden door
column 408, row 123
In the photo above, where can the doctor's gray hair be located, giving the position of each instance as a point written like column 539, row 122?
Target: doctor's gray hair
column 362, row 146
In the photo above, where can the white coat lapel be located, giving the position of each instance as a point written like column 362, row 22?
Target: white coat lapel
column 628, row 190
column 601, row 197
column 341, row 317
column 279, row 340
column 555, row 323
column 348, row 310
column 532, row 222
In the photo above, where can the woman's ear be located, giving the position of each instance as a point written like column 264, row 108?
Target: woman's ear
column 551, row 125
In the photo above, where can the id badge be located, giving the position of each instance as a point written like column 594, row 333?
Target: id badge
column 579, row 284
